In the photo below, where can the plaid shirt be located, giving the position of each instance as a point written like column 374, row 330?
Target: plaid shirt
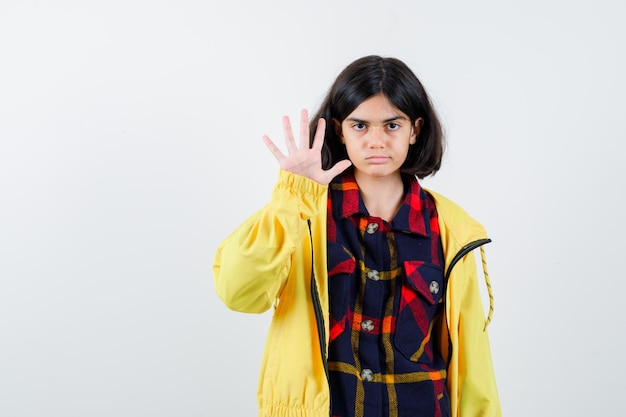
column 386, row 291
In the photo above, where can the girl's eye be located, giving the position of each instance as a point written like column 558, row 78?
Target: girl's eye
column 393, row 126
column 358, row 126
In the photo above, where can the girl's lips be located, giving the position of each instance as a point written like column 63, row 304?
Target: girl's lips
column 377, row 159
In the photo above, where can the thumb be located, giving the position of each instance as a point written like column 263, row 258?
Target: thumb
column 339, row 167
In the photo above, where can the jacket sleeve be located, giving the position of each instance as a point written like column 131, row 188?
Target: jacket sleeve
column 478, row 395
column 252, row 264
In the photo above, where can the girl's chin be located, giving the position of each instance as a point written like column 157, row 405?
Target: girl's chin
column 376, row 172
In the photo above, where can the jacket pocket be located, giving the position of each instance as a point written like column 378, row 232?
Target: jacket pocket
column 341, row 266
column 421, row 299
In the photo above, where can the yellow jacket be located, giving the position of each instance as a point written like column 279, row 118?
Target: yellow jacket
column 277, row 257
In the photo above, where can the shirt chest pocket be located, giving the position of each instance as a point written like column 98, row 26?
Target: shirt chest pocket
column 421, row 300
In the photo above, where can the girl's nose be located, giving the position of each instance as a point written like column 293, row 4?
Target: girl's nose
column 376, row 139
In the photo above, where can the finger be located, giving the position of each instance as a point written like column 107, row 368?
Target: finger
column 320, row 131
column 289, row 140
column 273, row 149
column 304, row 129
column 339, row 167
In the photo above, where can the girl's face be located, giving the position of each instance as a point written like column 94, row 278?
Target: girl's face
column 377, row 137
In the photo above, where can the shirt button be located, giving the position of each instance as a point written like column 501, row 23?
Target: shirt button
column 434, row 287
column 373, row 275
column 367, row 375
column 372, row 228
column 367, row 325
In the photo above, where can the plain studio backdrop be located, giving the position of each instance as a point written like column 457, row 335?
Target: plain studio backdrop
column 130, row 146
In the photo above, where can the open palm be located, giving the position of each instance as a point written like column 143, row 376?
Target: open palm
column 304, row 160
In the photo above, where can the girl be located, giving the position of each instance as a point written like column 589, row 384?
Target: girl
column 373, row 281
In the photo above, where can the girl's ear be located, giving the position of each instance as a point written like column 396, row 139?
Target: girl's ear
column 416, row 128
column 337, row 126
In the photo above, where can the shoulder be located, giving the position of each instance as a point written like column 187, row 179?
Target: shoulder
column 454, row 220
column 446, row 206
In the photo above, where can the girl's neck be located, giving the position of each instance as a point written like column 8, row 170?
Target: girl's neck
column 382, row 196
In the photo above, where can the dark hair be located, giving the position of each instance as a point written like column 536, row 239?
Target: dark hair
column 367, row 77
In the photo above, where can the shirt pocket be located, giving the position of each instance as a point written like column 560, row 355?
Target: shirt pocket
column 341, row 267
column 421, row 299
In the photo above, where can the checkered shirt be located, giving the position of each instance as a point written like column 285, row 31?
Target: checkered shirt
column 386, row 292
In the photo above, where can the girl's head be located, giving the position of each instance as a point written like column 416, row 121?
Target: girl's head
column 370, row 76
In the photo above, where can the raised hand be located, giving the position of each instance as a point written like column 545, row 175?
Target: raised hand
column 302, row 160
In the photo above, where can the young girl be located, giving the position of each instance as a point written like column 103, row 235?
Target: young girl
column 373, row 281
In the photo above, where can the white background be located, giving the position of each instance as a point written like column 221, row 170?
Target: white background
column 130, row 146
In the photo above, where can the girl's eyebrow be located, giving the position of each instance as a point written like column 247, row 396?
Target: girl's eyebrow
column 354, row 119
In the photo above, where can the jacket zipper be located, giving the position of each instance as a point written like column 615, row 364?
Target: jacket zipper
column 464, row 251
column 459, row 255
column 319, row 316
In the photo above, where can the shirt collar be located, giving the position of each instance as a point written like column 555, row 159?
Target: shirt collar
column 411, row 217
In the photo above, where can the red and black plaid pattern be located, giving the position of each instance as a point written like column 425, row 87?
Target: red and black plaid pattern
column 386, row 291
